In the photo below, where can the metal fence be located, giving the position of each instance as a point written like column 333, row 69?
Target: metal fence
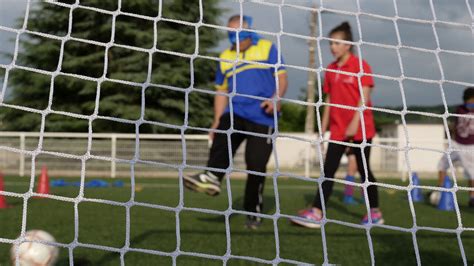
column 110, row 153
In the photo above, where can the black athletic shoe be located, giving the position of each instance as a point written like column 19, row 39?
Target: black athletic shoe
column 204, row 182
column 253, row 222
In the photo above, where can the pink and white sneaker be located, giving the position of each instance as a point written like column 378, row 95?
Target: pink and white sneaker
column 376, row 216
column 313, row 219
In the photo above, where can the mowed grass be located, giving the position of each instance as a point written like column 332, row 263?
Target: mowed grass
column 155, row 229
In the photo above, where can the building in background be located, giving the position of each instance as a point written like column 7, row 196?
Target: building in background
column 426, row 141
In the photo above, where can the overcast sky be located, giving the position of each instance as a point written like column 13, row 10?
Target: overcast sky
column 383, row 60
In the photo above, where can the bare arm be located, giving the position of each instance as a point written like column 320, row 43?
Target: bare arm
column 355, row 122
column 325, row 122
column 282, row 88
column 220, row 103
column 282, row 84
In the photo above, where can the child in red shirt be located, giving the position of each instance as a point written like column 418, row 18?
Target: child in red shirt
column 345, row 124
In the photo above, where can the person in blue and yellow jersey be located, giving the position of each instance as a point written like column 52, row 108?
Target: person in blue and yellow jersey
column 245, row 104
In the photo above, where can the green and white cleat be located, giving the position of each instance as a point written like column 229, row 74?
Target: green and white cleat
column 204, row 182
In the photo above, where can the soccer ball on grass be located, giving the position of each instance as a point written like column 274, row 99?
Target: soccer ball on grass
column 34, row 253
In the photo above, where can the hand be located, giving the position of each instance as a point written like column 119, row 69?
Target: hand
column 351, row 130
column 267, row 105
column 323, row 145
column 323, row 150
column 214, row 125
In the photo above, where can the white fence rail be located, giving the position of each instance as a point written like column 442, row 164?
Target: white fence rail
column 112, row 151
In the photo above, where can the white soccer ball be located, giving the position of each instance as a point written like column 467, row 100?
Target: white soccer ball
column 435, row 196
column 33, row 253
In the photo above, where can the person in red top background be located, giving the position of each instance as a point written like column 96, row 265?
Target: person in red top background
column 345, row 124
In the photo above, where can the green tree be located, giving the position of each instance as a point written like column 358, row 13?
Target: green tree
column 165, row 99
column 293, row 116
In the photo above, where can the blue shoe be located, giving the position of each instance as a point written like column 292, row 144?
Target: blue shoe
column 349, row 200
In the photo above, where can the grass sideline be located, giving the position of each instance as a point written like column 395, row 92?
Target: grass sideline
column 155, row 229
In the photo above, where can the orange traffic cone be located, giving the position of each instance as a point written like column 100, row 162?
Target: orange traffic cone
column 43, row 185
column 3, row 200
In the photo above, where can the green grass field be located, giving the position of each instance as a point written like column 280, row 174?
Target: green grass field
column 155, row 229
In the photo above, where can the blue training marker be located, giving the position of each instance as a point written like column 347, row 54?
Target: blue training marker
column 446, row 202
column 416, row 193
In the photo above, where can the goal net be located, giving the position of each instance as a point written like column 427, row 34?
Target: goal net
column 433, row 64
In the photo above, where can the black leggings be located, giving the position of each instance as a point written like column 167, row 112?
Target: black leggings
column 333, row 158
column 257, row 154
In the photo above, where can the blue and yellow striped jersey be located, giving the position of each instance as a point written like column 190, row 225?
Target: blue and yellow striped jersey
column 251, row 78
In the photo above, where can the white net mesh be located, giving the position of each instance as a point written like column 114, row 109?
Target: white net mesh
column 321, row 8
